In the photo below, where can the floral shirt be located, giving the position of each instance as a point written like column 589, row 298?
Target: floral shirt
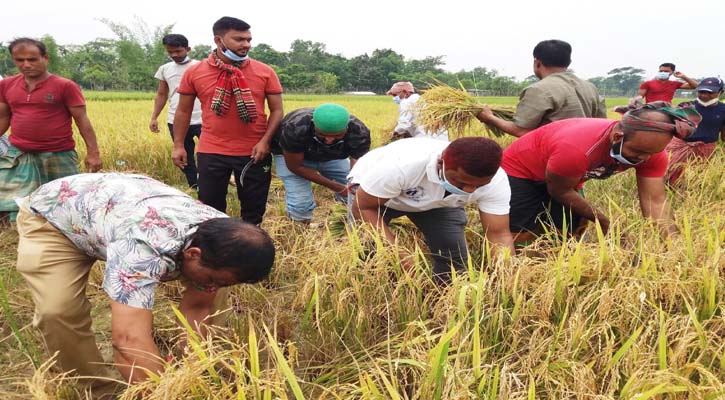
column 136, row 224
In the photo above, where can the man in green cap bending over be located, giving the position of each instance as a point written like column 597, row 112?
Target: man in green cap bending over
column 317, row 145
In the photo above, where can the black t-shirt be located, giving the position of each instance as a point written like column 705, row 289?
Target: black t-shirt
column 296, row 133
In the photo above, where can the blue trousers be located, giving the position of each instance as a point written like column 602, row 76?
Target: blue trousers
column 298, row 190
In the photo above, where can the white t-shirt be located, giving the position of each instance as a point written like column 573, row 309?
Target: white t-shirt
column 406, row 172
column 171, row 73
column 407, row 117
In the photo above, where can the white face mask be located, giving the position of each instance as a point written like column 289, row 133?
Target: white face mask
column 709, row 102
column 663, row 76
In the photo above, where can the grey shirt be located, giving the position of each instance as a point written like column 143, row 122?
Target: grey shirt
column 558, row 96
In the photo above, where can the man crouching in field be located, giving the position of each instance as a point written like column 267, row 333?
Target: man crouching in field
column 548, row 166
column 430, row 181
column 147, row 233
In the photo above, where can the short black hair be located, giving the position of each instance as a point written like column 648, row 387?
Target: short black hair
column 27, row 41
column 668, row 65
column 226, row 24
column 175, row 40
column 477, row 156
column 553, row 53
column 232, row 244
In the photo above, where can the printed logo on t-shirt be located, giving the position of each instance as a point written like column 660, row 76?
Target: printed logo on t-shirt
column 49, row 98
column 415, row 194
column 602, row 171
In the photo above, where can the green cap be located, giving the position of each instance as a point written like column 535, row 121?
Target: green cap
column 330, row 118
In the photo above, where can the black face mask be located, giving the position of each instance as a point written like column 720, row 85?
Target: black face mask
column 334, row 145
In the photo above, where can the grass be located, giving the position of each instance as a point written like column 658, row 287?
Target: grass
column 622, row 315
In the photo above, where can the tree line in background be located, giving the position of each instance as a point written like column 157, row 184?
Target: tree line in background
column 129, row 61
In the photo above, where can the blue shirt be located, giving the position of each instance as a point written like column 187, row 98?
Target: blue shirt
column 713, row 120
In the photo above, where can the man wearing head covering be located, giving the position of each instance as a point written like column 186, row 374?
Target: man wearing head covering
column 404, row 95
column 559, row 94
column 548, row 166
column 701, row 144
column 317, row 145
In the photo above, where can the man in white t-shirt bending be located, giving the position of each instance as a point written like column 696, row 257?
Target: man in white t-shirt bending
column 169, row 76
column 430, row 181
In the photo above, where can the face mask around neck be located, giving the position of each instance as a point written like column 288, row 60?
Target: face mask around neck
column 617, row 155
column 709, row 102
column 232, row 55
column 447, row 186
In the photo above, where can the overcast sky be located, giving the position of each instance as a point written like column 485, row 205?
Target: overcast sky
column 494, row 34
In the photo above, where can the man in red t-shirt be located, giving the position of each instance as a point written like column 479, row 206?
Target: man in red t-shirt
column 662, row 88
column 232, row 89
column 547, row 166
column 38, row 107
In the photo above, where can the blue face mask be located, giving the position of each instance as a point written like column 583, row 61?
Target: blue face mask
column 396, row 99
column 663, row 76
column 232, row 55
column 447, row 185
column 617, row 155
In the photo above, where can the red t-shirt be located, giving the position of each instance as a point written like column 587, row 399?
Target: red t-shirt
column 226, row 134
column 575, row 148
column 658, row 90
column 40, row 121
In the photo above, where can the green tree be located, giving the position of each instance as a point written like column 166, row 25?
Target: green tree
column 306, row 53
column 7, row 67
column 56, row 64
column 200, row 52
column 140, row 52
column 625, row 80
column 386, row 65
column 266, row 54
column 100, row 54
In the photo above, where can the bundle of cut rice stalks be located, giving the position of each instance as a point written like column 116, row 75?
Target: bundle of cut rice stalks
column 442, row 106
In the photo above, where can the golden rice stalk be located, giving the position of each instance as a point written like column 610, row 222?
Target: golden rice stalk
column 442, row 106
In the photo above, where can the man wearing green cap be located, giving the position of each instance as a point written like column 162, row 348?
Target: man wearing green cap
column 317, row 145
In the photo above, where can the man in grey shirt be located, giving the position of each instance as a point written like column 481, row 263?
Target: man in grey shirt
column 558, row 94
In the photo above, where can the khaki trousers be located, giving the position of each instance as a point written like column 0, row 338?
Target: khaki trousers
column 57, row 274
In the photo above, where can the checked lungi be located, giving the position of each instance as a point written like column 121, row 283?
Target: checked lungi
column 21, row 173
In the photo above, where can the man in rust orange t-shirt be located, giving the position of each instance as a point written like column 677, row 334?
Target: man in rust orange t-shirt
column 236, row 133
column 39, row 107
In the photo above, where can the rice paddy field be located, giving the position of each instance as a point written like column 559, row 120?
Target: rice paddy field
column 626, row 315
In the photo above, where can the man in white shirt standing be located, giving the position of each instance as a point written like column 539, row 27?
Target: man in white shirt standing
column 404, row 95
column 169, row 76
column 430, row 181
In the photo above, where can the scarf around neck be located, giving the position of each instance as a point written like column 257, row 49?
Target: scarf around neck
column 231, row 82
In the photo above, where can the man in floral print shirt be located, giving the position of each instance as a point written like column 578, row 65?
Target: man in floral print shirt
column 147, row 233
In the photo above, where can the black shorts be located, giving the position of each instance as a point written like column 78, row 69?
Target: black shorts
column 532, row 209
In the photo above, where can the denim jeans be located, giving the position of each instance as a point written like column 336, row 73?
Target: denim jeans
column 298, row 190
column 190, row 171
